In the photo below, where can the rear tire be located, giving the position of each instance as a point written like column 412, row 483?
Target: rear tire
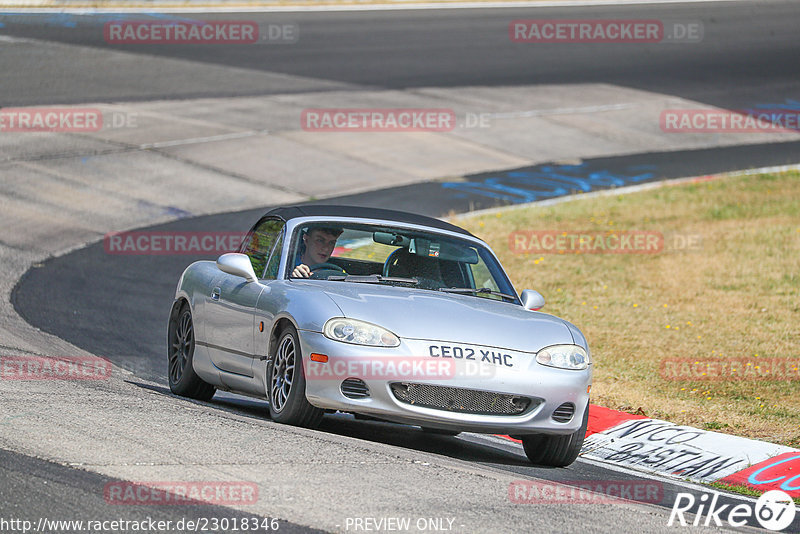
column 286, row 384
column 183, row 380
column 556, row 451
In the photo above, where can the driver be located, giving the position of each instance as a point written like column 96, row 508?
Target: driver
column 317, row 247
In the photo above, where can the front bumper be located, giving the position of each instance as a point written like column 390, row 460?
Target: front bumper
column 431, row 363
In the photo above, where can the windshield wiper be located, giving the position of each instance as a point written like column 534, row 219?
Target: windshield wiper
column 477, row 290
column 373, row 279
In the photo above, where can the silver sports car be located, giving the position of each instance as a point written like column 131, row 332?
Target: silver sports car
column 382, row 314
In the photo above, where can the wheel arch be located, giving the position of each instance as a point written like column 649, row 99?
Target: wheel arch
column 278, row 326
column 175, row 311
column 177, row 304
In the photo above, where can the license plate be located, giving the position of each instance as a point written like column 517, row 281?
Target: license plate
column 459, row 352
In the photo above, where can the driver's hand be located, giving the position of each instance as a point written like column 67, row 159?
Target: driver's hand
column 301, row 271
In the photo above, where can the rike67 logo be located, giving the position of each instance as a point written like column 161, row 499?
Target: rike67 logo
column 774, row 510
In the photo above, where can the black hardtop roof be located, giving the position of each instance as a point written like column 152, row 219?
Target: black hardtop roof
column 323, row 210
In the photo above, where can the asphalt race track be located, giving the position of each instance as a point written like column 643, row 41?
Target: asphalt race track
column 750, row 62
column 116, row 306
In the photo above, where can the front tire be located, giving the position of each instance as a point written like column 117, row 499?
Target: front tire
column 286, row 384
column 556, row 451
column 183, row 380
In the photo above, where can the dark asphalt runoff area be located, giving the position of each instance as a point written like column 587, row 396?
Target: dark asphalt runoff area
column 116, row 306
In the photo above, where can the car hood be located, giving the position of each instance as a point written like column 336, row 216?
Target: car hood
column 421, row 314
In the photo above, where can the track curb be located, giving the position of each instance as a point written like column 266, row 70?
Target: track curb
column 688, row 453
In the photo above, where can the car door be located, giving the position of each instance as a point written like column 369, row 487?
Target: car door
column 230, row 328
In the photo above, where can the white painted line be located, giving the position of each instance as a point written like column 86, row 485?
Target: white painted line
column 197, row 140
column 9, row 39
column 388, row 6
column 621, row 191
column 559, row 111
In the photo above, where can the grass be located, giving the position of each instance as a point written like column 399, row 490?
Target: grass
column 734, row 295
column 743, row 490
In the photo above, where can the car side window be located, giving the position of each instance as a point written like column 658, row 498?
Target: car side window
column 260, row 242
column 271, row 272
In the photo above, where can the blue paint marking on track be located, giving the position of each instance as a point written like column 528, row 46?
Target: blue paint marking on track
column 785, row 114
column 71, row 20
column 548, row 181
column 789, row 105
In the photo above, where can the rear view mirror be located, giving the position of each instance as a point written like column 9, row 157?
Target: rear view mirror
column 237, row 265
column 442, row 250
column 395, row 240
column 532, row 300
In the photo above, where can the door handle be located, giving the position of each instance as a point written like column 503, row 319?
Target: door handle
column 215, row 293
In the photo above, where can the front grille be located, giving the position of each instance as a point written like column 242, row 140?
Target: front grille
column 459, row 399
column 355, row 388
column 564, row 413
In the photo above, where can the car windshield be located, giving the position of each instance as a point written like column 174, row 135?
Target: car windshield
column 399, row 256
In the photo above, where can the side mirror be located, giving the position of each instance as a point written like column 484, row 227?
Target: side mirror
column 237, row 265
column 532, row 300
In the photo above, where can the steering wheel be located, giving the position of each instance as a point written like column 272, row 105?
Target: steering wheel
column 322, row 271
column 327, row 266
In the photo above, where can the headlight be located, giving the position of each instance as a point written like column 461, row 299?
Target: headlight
column 564, row 357
column 359, row 333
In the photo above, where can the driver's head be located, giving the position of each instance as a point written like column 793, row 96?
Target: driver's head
column 319, row 243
